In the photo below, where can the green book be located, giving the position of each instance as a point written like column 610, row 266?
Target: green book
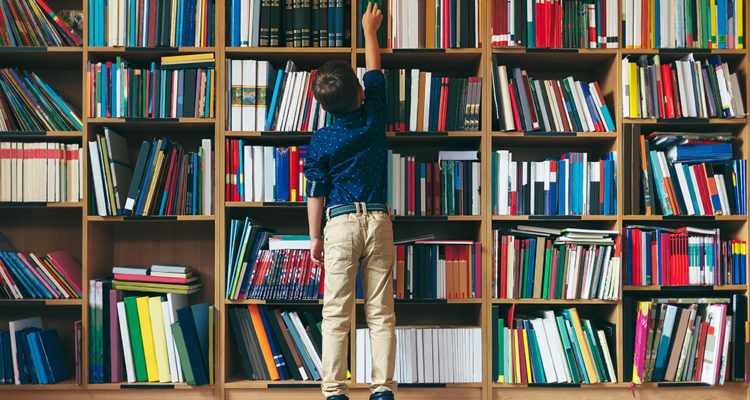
column 595, row 351
column 560, row 271
column 536, row 356
column 500, row 351
column 211, row 322
column 179, row 340
column 547, row 271
column 569, row 357
column 136, row 342
column 444, row 187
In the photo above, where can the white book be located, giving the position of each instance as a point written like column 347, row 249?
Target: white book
column 101, row 205
column 361, row 355
column 176, row 302
column 475, row 195
column 245, row 20
column 236, row 98
column 502, row 181
column 624, row 79
column 716, row 319
column 368, row 357
column 249, row 80
column 556, row 350
column 428, row 356
column 420, row 354
column 427, row 94
column 725, row 350
column 637, row 12
column 301, row 104
column 50, row 148
column 682, row 180
column 169, row 341
column 6, row 171
column 258, row 174
column 127, row 351
column 583, row 108
column 261, row 95
column 314, row 356
column 414, row 94
column 269, row 169
column 13, row 327
column 285, row 99
column 290, row 94
column 694, row 181
column 722, row 191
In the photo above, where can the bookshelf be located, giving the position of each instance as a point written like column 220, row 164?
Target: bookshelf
column 200, row 241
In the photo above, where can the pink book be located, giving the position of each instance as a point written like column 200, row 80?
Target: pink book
column 478, row 270
column 639, row 349
column 115, row 346
column 149, row 278
column 69, row 269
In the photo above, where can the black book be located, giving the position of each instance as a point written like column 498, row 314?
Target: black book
column 289, row 23
column 472, row 22
column 274, row 26
column 536, row 102
column 739, row 312
column 315, row 23
column 725, row 170
column 594, row 195
column 464, row 25
column 467, row 186
column 495, row 343
column 497, row 114
column 304, row 22
column 458, row 171
column 188, row 97
column 450, row 113
column 538, row 193
column 522, row 116
column 168, row 94
column 256, row 357
column 323, row 21
column 241, row 344
column 282, row 345
column 461, row 123
column 547, row 105
column 452, row 14
column 264, row 37
column 628, row 336
column 312, row 324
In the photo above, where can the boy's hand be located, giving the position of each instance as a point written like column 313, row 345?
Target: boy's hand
column 372, row 18
column 316, row 251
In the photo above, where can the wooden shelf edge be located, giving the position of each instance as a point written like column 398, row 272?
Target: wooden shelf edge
column 151, row 218
column 698, row 288
column 543, row 302
column 47, row 302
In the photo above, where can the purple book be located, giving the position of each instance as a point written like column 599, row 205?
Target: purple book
column 78, row 338
column 115, row 346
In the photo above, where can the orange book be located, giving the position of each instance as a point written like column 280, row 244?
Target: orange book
column 400, row 270
column 420, row 101
column 456, row 272
column 265, row 347
column 463, row 271
column 449, row 271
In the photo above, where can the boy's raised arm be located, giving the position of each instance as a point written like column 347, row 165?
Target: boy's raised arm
column 370, row 23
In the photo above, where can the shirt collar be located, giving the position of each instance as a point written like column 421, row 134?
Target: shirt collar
column 351, row 115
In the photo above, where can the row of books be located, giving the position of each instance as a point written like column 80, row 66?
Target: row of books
column 144, row 23
column 689, row 339
column 427, row 355
column 265, row 99
column 24, row 276
column 421, row 101
column 181, row 86
column 684, row 88
column 683, row 256
column 693, row 174
column 159, row 278
column 166, row 180
column 27, row 103
column 449, row 186
column 438, row 269
column 521, row 103
column 33, row 23
column 40, row 171
column 558, row 347
column 683, row 24
column 555, row 24
column 277, row 344
column 411, row 24
column 264, row 173
column 572, row 185
column 287, row 23
column 245, row 241
column 549, row 263
column 30, row 354
column 148, row 339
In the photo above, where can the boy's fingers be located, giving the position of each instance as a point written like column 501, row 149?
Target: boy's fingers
column 374, row 7
column 369, row 7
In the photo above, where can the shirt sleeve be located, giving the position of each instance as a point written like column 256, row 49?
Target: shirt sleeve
column 375, row 97
column 316, row 172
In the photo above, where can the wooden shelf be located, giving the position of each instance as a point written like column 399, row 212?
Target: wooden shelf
column 554, row 301
column 105, row 50
column 147, row 386
column 554, row 218
column 159, row 121
column 46, row 302
column 538, row 135
column 685, row 121
column 685, row 50
column 274, row 302
column 538, row 50
column 307, row 135
column 436, row 218
column 42, row 204
column 740, row 218
column 40, row 134
column 477, row 51
column 68, row 384
column 688, row 288
column 151, row 218
column 561, row 386
column 286, row 50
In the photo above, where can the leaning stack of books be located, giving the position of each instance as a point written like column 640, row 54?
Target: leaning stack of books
column 689, row 340
column 40, row 171
column 41, row 27
column 277, row 345
column 552, row 348
column 157, row 279
column 32, row 355
column 24, row 276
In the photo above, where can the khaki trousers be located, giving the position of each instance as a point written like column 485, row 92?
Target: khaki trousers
column 358, row 240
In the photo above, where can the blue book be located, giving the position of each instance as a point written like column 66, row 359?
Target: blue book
column 156, row 148
column 200, row 317
column 721, row 25
column 660, row 365
column 36, row 356
column 195, row 184
column 6, row 364
column 180, row 92
column 178, row 20
column 278, row 358
column 331, row 23
column 563, row 179
column 23, row 370
column 282, row 174
column 195, row 355
column 188, row 24
column 52, row 355
column 207, row 106
column 27, row 355
column 234, row 24
column 606, row 182
column 30, row 282
column 666, row 208
column 339, row 24
column 274, row 99
column 239, row 173
column 359, row 291
column 530, row 271
column 298, row 343
column 259, row 243
column 233, row 228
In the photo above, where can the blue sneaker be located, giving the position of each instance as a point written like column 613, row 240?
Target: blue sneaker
column 386, row 395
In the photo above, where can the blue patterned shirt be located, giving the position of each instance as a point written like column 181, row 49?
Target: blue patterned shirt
column 346, row 161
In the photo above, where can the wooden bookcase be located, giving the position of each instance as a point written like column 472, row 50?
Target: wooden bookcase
column 200, row 241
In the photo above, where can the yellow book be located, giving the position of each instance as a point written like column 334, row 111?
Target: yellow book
column 160, row 341
column 152, row 370
column 187, row 58
column 154, row 179
column 633, row 85
column 104, row 154
column 713, row 40
column 652, row 24
column 738, row 18
column 585, row 353
column 211, row 323
column 516, row 357
column 529, row 377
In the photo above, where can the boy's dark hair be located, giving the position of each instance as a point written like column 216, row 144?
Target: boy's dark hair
column 336, row 87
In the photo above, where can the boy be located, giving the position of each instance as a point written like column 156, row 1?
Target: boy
column 346, row 163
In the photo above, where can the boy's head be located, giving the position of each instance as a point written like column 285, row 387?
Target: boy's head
column 337, row 88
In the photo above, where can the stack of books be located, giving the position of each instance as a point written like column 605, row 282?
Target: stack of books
column 27, row 276
column 27, row 103
column 683, row 24
column 181, row 86
column 265, row 99
column 555, row 24
column 157, row 279
column 40, row 171
column 289, row 23
column 448, row 186
column 32, row 355
column 684, row 88
column 143, row 23
column 443, row 355
column 422, row 101
column 41, row 27
column 149, row 339
column 277, row 345
column 572, row 185
column 552, row 348
column 167, row 179
column 438, row 269
column 265, row 173
column 691, row 174
column 688, row 340
column 683, row 256
column 549, row 263
column 521, row 103
column 439, row 24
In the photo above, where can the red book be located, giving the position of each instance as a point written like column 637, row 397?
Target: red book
column 149, row 278
column 306, row 124
column 444, row 25
column 227, row 184
column 701, row 348
column 178, row 178
column 503, row 267
column 676, row 93
column 443, row 103
column 700, row 176
column 521, row 354
column 42, row 279
column 152, row 23
column 603, row 25
column 235, row 170
column 636, row 278
column 428, row 189
column 666, row 80
column 477, row 270
column 168, row 180
column 294, row 188
column 515, row 107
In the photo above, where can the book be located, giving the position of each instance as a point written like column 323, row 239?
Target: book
column 265, row 173
column 28, row 103
column 40, row 172
column 23, row 276
column 438, row 270
column 40, row 26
